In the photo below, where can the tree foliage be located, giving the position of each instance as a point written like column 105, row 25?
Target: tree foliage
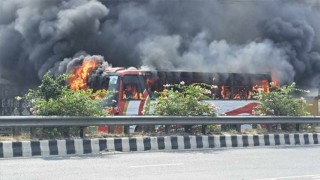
column 50, row 88
column 54, row 98
column 183, row 100
column 282, row 102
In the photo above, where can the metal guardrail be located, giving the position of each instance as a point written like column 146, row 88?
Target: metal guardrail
column 51, row 121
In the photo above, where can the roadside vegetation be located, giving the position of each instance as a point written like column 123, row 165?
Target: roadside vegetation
column 186, row 100
column 287, row 100
column 182, row 100
column 54, row 98
column 283, row 101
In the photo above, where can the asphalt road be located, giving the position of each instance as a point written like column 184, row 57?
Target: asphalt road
column 243, row 163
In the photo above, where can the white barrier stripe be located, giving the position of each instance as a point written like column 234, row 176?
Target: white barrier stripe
column 261, row 140
column 95, row 146
column 193, row 142
column 318, row 140
column 140, row 145
column 216, row 141
column 250, row 141
column 205, row 141
column 125, row 145
column 44, row 146
column 301, row 138
column 62, row 148
column 310, row 137
column 154, row 143
column 239, row 141
column 281, row 139
column 78, row 146
column 271, row 140
column 110, row 144
column 228, row 141
column 291, row 138
column 7, row 149
column 180, row 141
column 26, row 149
column 167, row 143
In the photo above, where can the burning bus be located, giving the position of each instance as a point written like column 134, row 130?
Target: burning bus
column 132, row 88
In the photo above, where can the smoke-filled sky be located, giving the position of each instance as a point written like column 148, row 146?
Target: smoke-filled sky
column 252, row 36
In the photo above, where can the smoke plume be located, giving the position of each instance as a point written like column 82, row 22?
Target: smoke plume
column 280, row 37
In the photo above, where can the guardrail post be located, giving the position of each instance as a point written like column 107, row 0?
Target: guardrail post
column 238, row 128
column 111, row 129
column 32, row 132
column 269, row 127
column 126, row 129
column 298, row 127
column 204, row 129
column 14, row 132
column 166, row 128
column 82, row 132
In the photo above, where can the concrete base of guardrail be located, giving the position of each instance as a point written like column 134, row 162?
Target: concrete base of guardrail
column 44, row 148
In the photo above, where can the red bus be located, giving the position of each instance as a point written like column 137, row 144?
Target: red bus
column 132, row 88
column 233, row 93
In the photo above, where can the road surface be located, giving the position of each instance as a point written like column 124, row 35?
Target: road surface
column 301, row 162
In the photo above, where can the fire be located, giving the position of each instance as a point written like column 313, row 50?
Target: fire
column 222, row 92
column 264, row 85
column 275, row 83
column 244, row 92
column 79, row 79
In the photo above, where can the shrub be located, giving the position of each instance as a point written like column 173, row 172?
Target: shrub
column 282, row 102
column 54, row 98
column 183, row 100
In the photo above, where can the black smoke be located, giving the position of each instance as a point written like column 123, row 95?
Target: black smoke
column 248, row 36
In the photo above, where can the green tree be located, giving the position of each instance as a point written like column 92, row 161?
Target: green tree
column 54, row 98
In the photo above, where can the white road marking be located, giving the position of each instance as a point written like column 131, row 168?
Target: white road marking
column 156, row 165
column 290, row 177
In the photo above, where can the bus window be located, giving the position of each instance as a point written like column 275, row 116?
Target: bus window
column 133, row 87
column 130, row 92
column 229, row 86
column 226, row 92
column 241, row 92
column 113, row 87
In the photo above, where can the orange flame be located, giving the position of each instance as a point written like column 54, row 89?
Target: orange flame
column 262, row 86
column 265, row 86
column 222, row 92
column 79, row 79
column 275, row 83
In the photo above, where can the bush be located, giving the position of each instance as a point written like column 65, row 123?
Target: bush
column 282, row 102
column 69, row 103
column 54, row 98
column 183, row 100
